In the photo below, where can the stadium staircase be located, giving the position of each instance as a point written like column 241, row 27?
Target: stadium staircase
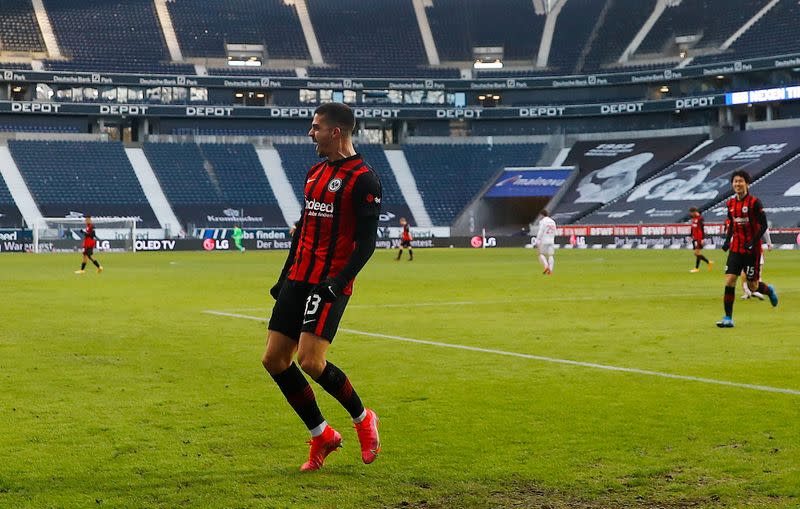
column 308, row 32
column 426, row 33
column 659, row 9
column 48, row 36
column 18, row 188
column 270, row 160
column 408, row 186
column 547, row 35
column 152, row 190
column 170, row 37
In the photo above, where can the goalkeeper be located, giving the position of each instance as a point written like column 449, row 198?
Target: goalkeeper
column 237, row 238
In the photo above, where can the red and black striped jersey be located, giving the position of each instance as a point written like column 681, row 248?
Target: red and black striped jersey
column 406, row 232
column 697, row 228
column 337, row 195
column 89, row 237
column 743, row 217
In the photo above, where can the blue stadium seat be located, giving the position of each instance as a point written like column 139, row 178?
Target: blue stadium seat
column 623, row 20
column 204, row 27
column 449, row 176
column 19, row 30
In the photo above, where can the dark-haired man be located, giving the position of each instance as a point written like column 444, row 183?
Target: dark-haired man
column 747, row 224
column 333, row 240
column 89, row 243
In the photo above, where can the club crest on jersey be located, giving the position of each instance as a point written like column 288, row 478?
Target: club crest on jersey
column 744, row 209
column 334, row 185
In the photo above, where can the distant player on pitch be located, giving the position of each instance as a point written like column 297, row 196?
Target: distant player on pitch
column 698, row 233
column 546, row 242
column 237, row 238
column 334, row 239
column 405, row 241
column 89, row 243
column 747, row 224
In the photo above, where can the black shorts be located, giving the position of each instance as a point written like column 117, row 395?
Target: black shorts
column 750, row 263
column 405, row 243
column 298, row 310
column 88, row 251
column 697, row 244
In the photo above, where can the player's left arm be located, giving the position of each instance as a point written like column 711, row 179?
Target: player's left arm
column 367, row 207
column 761, row 217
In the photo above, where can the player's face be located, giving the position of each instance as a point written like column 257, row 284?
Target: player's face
column 324, row 135
column 739, row 186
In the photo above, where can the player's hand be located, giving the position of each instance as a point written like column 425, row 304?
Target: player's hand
column 726, row 245
column 330, row 289
column 276, row 290
column 769, row 247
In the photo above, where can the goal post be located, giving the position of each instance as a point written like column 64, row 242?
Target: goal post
column 118, row 231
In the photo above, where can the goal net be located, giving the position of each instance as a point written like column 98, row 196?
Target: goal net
column 51, row 234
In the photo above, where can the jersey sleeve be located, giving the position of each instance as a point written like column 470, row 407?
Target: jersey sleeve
column 367, row 195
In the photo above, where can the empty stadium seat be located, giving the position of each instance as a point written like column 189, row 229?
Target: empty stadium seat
column 19, row 30
column 449, row 176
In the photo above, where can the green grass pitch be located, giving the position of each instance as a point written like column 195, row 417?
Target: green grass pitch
column 118, row 391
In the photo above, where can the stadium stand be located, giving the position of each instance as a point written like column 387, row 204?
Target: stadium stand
column 18, row 28
column 459, row 25
column 208, row 179
column 774, row 34
column 574, row 25
column 622, row 21
column 590, row 125
column 204, row 27
column 10, row 216
column 14, row 65
column 89, row 177
column 713, row 20
column 376, row 158
column 119, row 36
column 252, row 71
column 370, row 39
column 449, row 176
column 297, row 159
column 16, row 128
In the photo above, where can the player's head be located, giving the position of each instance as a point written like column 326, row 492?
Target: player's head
column 544, row 213
column 403, row 221
column 88, row 219
column 333, row 124
column 694, row 212
column 740, row 181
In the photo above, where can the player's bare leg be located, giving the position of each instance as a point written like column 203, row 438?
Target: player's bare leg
column 311, row 355
column 761, row 288
column 277, row 360
column 543, row 261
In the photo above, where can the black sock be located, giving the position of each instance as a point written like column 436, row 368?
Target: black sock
column 300, row 395
column 399, row 254
column 83, row 265
column 336, row 383
column 410, row 254
column 703, row 258
column 763, row 288
column 95, row 262
column 696, row 261
column 730, row 296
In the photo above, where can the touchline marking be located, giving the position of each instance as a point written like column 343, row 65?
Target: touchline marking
column 763, row 388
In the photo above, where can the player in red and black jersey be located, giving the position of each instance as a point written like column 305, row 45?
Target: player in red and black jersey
column 89, row 243
column 747, row 224
column 332, row 241
column 405, row 241
column 698, row 234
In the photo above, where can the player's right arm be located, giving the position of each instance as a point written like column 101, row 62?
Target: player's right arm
column 728, row 234
column 276, row 289
column 540, row 234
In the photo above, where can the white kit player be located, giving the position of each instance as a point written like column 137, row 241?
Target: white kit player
column 546, row 241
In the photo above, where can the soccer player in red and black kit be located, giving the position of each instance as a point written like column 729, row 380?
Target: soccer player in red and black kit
column 405, row 241
column 89, row 243
column 333, row 240
column 697, row 239
column 747, row 224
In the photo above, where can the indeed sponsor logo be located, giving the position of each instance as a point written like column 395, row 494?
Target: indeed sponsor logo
column 8, row 236
column 315, row 206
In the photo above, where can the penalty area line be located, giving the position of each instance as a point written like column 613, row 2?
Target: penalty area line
column 553, row 360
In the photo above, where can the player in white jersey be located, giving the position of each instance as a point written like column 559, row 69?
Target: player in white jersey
column 747, row 293
column 546, row 241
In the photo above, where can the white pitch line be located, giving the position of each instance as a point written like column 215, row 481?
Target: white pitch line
column 763, row 388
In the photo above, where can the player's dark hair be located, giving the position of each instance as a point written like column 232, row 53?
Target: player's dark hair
column 741, row 173
column 339, row 115
column 692, row 209
column 544, row 213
